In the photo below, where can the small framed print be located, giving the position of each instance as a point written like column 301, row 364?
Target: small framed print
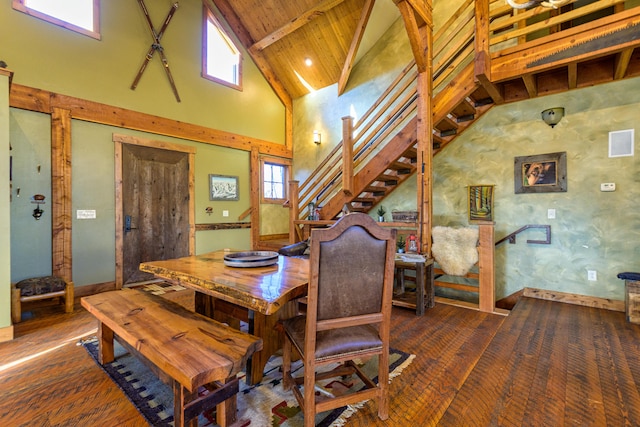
column 543, row 173
column 480, row 203
column 222, row 187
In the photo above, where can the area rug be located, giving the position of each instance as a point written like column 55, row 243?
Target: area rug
column 261, row 405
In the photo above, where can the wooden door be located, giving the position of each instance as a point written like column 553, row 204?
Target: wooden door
column 155, row 219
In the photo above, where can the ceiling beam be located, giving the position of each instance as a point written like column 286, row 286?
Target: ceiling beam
column 622, row 63
column 424, row 10
column 244, row 36
column 355, row 44
column 413, row 27
column 294, row 24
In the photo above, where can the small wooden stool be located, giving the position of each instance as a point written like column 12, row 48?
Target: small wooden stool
column 38, row 288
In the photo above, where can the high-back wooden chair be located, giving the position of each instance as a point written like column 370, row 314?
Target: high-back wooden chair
column 348, row 313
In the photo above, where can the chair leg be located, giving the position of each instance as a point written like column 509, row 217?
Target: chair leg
column 68, row 298
column 383, row 384
column 309, row 394
column 287, row 380
column 16, row 306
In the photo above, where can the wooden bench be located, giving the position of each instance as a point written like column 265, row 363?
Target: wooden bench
column 39, row 288
column 185, row 349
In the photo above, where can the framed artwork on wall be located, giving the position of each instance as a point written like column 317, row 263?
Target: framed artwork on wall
column 542, row 173
column 222, row 187
column 480, row 201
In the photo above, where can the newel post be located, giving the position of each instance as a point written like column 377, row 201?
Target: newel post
column 486, row 266
column 347, row 155
column 294, row 210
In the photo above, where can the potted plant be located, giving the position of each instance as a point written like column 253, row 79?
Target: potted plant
column 381, row 212
column 400, row 244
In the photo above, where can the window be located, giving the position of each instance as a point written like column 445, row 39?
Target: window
column 275, row 175
column 222, row 61
column 81, row 16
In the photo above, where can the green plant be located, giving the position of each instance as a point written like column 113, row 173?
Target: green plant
column 381, row 211
column 400, row 242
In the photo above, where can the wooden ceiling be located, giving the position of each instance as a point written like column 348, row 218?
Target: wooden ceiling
column 281, row 35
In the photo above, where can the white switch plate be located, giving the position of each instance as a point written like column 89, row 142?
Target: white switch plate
column 592, row 275
column 86, row 214
column 551, row 213
column 225, row 213
column 608, row 186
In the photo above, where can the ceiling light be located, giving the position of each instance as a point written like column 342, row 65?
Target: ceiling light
column 308, row 62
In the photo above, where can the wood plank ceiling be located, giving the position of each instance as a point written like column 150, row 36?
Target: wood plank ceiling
column 283, row 35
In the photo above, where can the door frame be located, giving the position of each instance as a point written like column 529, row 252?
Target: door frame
column 119, row 140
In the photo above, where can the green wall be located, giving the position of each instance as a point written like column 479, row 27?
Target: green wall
column 592, row 230
column 5, row 215
column 48, row 57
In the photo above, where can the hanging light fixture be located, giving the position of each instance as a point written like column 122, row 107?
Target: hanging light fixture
column 552, row 116
column 317, row 137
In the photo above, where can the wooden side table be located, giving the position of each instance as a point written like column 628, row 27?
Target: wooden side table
column 424, row 296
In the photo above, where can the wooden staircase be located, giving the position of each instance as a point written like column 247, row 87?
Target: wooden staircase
column 384, row 152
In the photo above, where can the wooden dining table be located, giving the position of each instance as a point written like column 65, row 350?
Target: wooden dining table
column 259, row 296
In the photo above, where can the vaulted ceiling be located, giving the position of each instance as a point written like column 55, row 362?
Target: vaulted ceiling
column 305, row 45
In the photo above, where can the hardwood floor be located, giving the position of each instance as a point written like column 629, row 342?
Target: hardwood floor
column 547, row 364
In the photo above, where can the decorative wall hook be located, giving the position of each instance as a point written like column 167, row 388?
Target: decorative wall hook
column 38, row 199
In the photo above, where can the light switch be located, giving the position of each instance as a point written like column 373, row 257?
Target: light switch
column 551, row 213
column 225, row 213
column 86, row 214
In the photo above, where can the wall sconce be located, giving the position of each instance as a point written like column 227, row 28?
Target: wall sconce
column 552, row 116
column 317, row 137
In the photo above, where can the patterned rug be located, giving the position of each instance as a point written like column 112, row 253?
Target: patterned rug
column 261, row 405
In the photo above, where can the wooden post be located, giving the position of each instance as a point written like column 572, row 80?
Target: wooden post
column 255, row 196
column 62, row 260
column 347, row 155
column 294, row 210
column 486, row 266
column 425, row 143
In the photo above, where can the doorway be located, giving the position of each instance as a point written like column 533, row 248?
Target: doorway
column 154, row 205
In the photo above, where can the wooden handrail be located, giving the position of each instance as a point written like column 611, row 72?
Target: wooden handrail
column 512, row 237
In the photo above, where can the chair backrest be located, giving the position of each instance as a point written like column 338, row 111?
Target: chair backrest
column 351, row 273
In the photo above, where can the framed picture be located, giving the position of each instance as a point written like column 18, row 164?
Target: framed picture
column 543, row 173
column 480, row 203
column 222, row 187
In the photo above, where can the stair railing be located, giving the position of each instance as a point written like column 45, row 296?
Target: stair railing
column 389, row 113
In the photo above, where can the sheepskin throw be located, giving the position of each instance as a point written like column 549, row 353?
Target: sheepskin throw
column 455, row 249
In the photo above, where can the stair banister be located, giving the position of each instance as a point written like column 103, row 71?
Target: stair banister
column 347, row 155
column 486, row 267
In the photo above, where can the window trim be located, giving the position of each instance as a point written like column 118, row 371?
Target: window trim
column 287, row 173
column 206, row 16
column 21, row 7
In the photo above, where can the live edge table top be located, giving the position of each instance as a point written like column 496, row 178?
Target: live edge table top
column 262, row 289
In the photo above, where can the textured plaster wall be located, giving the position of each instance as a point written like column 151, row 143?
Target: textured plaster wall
column 593, row 230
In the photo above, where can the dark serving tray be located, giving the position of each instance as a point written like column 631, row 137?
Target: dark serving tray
column 251, row 259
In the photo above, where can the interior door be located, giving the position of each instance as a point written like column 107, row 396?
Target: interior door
column 155, row 207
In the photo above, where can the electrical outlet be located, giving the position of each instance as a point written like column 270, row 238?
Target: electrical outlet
column 551, row 213
column 608, row 186
column 225, row 213
column 592, row 275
